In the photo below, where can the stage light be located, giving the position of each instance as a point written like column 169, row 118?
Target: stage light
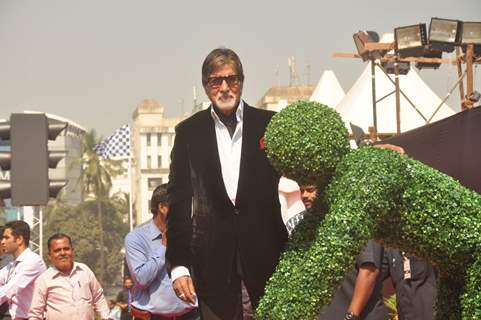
column 410, row 41
column 472, row 35
column 444, row 34
column 430, row 65
column 363, row 37
column 403, row 67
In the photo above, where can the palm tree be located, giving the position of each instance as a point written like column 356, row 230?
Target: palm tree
column 97, row 176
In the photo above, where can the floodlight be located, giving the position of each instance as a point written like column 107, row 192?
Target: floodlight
column 403, row 67
column 444, row 34
column 472, row 35
column 363, row 37
column 430, row 65
column 410, row 40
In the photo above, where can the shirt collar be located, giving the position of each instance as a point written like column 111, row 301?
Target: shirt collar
column 23, row 255
column 154, row 232
column 239, row 112
column 57, row 272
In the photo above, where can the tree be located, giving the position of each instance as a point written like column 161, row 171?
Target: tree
column 77, row 222
column 97, row 176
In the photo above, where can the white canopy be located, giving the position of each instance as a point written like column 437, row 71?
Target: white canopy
column 328, row 90
column 356, row 107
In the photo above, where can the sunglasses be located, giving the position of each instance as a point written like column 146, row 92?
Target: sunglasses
column 232, row 81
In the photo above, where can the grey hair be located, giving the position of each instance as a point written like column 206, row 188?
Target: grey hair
column 219, row 57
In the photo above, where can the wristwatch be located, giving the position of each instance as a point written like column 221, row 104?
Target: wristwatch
column 351, row 316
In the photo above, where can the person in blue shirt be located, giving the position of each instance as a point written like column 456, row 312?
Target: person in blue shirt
column 153, row 294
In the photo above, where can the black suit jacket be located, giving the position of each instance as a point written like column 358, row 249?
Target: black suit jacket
column 205, row 229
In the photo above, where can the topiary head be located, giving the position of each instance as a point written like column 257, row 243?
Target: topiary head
column 306, row 141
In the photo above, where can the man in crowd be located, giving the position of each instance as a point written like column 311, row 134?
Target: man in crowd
column 5, row 258
column 225, row 228
column 124, row 299
column 68, row 289
column 18, row 277
column 154, row 296
column 415, row 283
column 308, row 197
column 360, row 295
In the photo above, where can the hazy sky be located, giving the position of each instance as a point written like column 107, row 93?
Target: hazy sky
column 93, row 61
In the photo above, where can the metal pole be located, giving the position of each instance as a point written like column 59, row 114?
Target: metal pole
column 460, row 75
column 403, row 94
column 469, row 74
column 398, row 98
column 460, row 82
column 373, row 85
column 40, row 232
column 387, row 95
column 131, row 222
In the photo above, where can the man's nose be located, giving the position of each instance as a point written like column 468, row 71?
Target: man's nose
column 224, row 86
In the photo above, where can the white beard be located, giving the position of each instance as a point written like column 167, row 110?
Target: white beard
column 226, row 103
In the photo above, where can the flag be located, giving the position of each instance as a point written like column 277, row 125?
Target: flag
column 117, row 145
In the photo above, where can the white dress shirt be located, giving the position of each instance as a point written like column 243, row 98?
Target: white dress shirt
column 17, row 282
column 229, row 149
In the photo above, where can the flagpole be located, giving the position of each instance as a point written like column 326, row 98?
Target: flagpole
column 115, row 146
column 131, row 221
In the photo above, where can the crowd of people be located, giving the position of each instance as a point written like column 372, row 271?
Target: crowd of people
column 30, row 290
column 215, row 236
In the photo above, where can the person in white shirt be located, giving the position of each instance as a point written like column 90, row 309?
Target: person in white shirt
column 18, row 277
column 68, row 289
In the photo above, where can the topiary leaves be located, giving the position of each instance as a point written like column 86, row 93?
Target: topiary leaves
column 306, row 141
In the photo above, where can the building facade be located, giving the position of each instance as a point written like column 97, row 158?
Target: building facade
column 152, row 140
column 277, row 97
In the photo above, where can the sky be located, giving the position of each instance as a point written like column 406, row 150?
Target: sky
column 94, row 61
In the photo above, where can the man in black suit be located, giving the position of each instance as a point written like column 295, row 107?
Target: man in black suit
column 225, row 229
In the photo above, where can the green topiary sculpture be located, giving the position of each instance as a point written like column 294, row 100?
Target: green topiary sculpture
column 369, row 193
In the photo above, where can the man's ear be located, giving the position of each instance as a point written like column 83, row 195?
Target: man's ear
column 163, row 208
column 20, row 240
column 159, row 207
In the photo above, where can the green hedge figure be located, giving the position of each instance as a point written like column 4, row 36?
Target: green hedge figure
column 369, row 193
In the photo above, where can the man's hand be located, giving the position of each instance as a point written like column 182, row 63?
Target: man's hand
column 184, row 289
column 390, row 147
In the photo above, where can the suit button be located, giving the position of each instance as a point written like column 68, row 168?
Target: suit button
column 236, row 211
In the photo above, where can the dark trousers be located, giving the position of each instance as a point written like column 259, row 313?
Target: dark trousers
column 145, row 315
column 4, row 314
column 232, row 304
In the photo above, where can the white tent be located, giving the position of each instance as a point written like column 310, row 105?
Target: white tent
column 328, row 90
column 356, row 107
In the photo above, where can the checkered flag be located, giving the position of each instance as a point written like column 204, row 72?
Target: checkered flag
column 117, row 145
